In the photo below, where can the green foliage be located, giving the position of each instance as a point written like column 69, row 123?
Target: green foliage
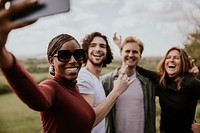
column 34, row 65
column 192, row 44
column 37, row 67
column 4, row 88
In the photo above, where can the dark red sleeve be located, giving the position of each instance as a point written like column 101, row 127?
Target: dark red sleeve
column 28, row 90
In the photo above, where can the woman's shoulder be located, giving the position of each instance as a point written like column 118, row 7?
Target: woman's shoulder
column 190, row 80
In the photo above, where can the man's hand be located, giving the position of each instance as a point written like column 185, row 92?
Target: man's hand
column 193, row 68
column 116, row 40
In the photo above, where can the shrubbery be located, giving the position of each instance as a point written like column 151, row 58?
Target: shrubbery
column 4, row 89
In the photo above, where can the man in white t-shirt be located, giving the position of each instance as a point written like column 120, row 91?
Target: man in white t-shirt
column 98, row 53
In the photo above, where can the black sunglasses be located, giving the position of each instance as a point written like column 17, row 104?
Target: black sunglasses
column 65, row 55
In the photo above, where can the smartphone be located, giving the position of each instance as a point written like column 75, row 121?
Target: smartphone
column 43, row 9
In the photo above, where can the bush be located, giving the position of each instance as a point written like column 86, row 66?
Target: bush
column 5, row 89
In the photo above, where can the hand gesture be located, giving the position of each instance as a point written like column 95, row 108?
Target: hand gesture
column 6, row 15
column 193, row 68
column 123, row 81
column 196, row 127
column 116, row 40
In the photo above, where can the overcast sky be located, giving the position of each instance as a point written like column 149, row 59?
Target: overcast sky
column 160, row 24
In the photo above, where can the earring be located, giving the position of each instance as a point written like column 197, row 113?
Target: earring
column 52, row 69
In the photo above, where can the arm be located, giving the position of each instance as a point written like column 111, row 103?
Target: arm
column 120, row 85
column 193, row 83
column 151, row 75
column 90, row 98
column 86, row 86
column 35, row 96
column 6, row 25
column 19, row 79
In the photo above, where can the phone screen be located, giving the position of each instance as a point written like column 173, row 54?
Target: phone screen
column 44, row 8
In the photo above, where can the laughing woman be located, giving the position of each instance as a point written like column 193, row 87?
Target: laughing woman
column 177, row 89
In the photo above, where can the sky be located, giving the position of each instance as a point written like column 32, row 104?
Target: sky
column 159, row 24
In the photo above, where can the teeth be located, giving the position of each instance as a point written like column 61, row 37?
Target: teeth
column 171, row 66
column 97, row 55
column 71, row 69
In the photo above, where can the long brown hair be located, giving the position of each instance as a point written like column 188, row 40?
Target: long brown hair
column 185, row 66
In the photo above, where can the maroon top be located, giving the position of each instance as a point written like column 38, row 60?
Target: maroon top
column 63, row 109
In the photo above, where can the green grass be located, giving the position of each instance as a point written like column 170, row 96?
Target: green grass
column 2, row 79
column 197, row 114
column 16, row 117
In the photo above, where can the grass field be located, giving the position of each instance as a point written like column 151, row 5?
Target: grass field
column 16, row 117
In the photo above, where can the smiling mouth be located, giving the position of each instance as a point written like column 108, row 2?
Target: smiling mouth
column 171, row 66
column 72, row 69
column 95, row 55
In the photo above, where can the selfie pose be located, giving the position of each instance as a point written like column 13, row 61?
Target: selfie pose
column 62, row 107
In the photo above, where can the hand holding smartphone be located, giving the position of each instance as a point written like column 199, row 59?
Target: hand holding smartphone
column 44, row 8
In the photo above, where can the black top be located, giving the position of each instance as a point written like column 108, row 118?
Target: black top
column 177, row 107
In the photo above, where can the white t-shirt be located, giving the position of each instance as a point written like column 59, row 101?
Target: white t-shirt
column 130, row 109
column 90, row 84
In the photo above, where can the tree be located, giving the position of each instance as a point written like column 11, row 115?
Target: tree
column 192, row 44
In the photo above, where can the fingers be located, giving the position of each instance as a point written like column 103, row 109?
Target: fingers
column 123, row 69
column 21, row 7
column 2, row 4
column 193, row 68
column 123, row 72
column 194, row 71
column 124, row 79
column 115, row 35
column 16, row 25
column 7, row 15
column 116, row 40
column 192, row 62
column 120, row 37
column 124, row 76
column 196, row 127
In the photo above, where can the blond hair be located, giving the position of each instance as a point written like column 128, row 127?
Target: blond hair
column 131, row 39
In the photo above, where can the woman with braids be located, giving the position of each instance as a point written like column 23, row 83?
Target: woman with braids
column 62, row 107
